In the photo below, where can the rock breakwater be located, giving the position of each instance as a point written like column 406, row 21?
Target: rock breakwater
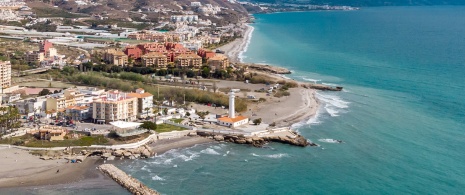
column 131, row 184
column 257, row 141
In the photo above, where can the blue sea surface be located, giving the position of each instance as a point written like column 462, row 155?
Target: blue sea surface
column 401, row 116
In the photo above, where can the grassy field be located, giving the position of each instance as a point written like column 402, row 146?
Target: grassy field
column 29, row 141
column 161, row 128
column 177, row 120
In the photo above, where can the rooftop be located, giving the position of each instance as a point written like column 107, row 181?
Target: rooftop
column 232, row 120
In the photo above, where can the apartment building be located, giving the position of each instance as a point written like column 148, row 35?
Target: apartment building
column 5, row 74
column 116, row 57
column 32, row 57
column 188, row 60
column 114, row 106
column 155, row 60
column 144, row 103
column 218, row 62
column 59, row 102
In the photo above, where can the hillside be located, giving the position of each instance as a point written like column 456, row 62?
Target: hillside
column 362, row 3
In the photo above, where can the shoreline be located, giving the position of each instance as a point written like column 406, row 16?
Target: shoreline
column 26, row 171
column 236, row 48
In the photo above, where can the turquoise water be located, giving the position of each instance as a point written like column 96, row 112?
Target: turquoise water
column 401, row 115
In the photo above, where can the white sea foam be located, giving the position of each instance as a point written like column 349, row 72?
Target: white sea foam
column 329, row 140
column 246, row 47
column 330, row 84
column 280, row 155
column 175, row 166
column 157, row 178
column 227, row 152
column 210, row 151
column 311, row 80
column 333, row 104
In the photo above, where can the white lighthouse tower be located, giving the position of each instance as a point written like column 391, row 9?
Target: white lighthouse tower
column 232, row 113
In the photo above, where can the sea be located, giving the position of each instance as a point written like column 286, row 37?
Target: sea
column 400, row 117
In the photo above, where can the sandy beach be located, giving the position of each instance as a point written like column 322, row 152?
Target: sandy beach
column 236, row 47
column 19, row 168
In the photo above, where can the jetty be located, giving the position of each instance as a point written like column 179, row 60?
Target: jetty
column 285, row 136
column 131, row 184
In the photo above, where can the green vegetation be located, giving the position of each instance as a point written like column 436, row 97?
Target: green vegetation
column 119, row 23
column 29, row 141
column 9, row 119
column 257, row 121
column 171, row 93
column 149, row 125
column 177, row 120
column 281, row 93
column 167, row 128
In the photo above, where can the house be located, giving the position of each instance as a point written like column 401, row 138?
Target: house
column 52, row 133
column 233, row 122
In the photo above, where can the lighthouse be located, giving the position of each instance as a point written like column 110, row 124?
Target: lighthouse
column 232, row 113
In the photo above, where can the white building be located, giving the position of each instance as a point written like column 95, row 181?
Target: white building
column 144, row 103
column 196, row 4
column 93, row 91
column 184, row 18
column 232, row 120
column 5, row 75
column 31, row 106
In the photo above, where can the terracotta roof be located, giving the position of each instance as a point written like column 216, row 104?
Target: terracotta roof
column 218, row 57
column 139, row 95
column 232, row 120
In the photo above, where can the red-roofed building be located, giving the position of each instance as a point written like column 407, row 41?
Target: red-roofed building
column 206, row 54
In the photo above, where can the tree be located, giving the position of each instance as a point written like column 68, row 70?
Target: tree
column 147, row 111
column 257, row 121
column 148, row 125
column 44, row 92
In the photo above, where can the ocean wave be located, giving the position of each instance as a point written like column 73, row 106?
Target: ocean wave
column 333, row 100
column 311, row 80
column 247, row 43
column 157, row 178
column 330, row 140
column 210, row 151
column 280, row 155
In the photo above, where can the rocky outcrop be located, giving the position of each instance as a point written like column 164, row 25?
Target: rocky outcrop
column 256, row 141
column 269, row 69
column 131, row 184
column 322, row 87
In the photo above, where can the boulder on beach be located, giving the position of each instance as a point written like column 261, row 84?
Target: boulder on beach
column 145, row 153
column 118, row 153
column 218, row 138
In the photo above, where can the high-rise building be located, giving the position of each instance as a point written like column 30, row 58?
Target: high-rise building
column 5, row 74
column 115, row 106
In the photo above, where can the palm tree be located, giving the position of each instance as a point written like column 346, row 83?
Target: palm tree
column 147, row 111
